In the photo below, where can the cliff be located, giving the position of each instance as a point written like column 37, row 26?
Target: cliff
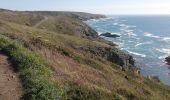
column 58, row 56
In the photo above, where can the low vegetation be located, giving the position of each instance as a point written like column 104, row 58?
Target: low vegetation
column 55, row 64
column 34, row 72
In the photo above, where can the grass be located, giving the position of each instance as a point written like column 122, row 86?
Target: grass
column 21, row 18
column 36, row 77
column 35, row 74
column 79, row 72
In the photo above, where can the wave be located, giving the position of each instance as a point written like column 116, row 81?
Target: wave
column 131, row 34
column 166, row 39
column 165, row 51
column 115, row 24
column 123, row 29
column 151, row 35
column 115, row 33
column 139, row 44
column 163, row 57
column 128, row 30
column 126, row 26
column 99, row 33
column 138, row 54
column 123, row 25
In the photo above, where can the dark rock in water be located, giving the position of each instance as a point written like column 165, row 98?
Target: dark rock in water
column 167, row 59
column 107, row 34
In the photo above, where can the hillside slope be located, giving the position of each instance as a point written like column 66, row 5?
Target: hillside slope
column 63, row 58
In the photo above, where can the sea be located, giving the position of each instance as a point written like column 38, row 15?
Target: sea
column 145, row 37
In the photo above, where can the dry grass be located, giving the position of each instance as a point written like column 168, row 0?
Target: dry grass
column 83, row 74
column 21, row 18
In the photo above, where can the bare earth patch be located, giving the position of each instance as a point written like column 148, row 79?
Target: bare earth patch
column 10, row 85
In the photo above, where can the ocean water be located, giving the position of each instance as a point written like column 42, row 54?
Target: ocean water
column 147, row 38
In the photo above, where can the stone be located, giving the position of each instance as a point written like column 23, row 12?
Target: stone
column 107, row 34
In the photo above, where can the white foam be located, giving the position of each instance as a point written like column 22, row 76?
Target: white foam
column 115, row 24
column 131, row 34
column 165, row 51
column 139, row 44
column 99, row 33
column 166, row 39
column 115, row 33
column 162, row 57
column 138, row 54
column 123, row 29
column 128, row 30
column 151, row 35
column 122, row 25
column 147, row 34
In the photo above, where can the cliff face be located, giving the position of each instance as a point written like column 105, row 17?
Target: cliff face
column 61, row 57
column 113, row 55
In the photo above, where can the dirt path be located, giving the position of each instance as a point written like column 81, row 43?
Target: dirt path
column 10, row 85
column 45, row 18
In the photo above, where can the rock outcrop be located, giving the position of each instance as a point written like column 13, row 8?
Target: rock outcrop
column 167, row 59
column 113, row 55
column 107, row 34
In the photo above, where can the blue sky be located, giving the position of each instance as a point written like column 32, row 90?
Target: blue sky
column 92, row 6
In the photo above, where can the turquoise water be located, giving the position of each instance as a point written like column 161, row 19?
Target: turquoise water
column 147, row 38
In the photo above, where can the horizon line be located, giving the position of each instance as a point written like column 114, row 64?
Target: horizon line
column 107, row 14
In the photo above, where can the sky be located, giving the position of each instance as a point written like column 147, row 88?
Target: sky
column 92, row 6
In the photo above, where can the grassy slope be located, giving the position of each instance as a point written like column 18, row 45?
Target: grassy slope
column 20, row 17
column 83, row 75
column 35, row 75
column 67, row 25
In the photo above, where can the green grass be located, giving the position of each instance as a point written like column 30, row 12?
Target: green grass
column 77, row 92
column 81, row 73
column 36, row 77
column 34, row 72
